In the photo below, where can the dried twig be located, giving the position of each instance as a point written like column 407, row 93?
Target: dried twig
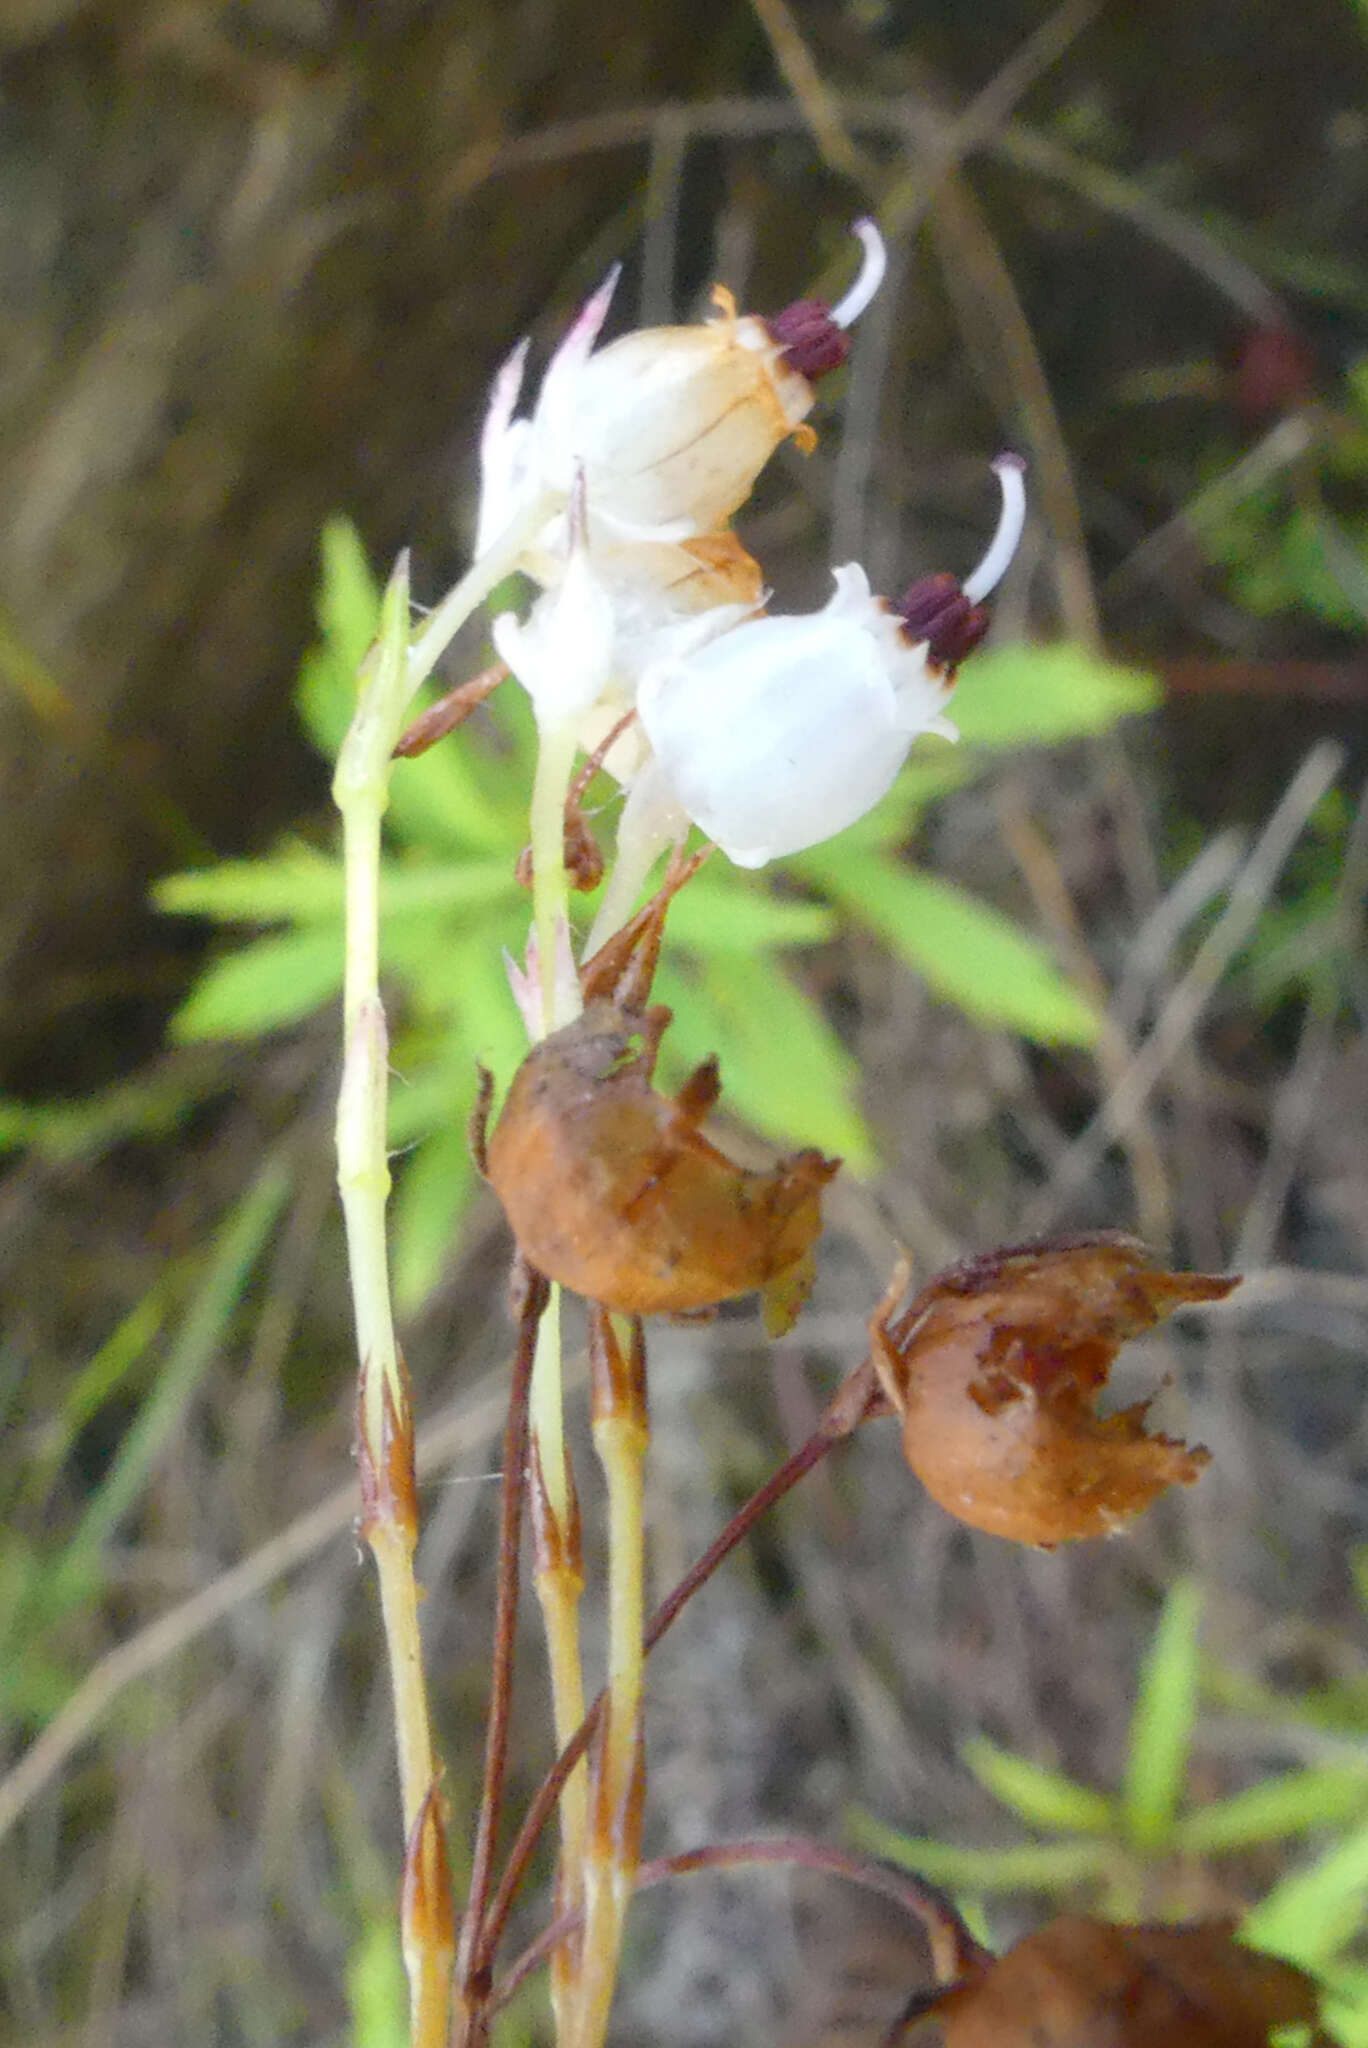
column 1184, row 1008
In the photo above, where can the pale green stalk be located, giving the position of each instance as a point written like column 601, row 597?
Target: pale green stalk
column 498, row 560
column 621, row 1438
column 361, row 793
column 389, row 1517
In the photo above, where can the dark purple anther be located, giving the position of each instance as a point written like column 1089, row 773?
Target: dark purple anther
column 811, row 341
column 936, row 610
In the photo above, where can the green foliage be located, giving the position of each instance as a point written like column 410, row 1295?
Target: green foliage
column 1308, row 944
column 377, row 1989
column 1161, row 1725
column 451, row 908
column 1026, row 696
column 1300, row 543
column 45, row 1586
column 1125, row 1854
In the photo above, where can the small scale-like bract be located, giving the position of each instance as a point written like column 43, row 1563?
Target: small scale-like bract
column 995, row 1370
column 612, row 1190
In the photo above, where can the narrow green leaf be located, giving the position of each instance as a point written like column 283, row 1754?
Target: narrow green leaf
column 348, row 603
column 1327, row 1796
column 265, row 985
column 295, row 886
column 435, row 1186
column 743, row 1009
column 458, row 986
column 1161, row 1726
column 1344, row 2008
column 1340, row 1708
column 440, row 801
column 1345, row 552
column 1295, row 2034
column 1023, row 695
column 377, row 1990
column 424, row 888
column 239, row 1244
column 1315, row 1911
column 720, row 912
column 1041, row 1797
column 147, row 1106
column 1034, row 1866
column 968, row 953
column 103, row 1375
column 325, row 698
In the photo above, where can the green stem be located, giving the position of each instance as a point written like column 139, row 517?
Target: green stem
column 499, row 559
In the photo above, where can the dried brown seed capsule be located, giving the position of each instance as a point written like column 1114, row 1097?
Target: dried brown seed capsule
column 612, row 1190
column 995, row 1369
column 1081, row 1984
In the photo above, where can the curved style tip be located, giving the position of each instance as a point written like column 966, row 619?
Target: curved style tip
column 1010, row 472
column 871, row 274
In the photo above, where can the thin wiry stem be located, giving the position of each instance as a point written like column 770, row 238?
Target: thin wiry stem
column 857, row 1397
column 621, row 1436
column 953, row 1948
column 531, row 1291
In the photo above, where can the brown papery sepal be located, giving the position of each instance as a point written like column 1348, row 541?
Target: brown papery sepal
column 425, row 1907
column 389, row 1491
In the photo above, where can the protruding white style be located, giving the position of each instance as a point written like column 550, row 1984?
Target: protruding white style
column 847, row 310
column 1010, row 471
column 782, row 732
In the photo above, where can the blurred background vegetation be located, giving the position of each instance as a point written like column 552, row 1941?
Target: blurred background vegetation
column 258, row 260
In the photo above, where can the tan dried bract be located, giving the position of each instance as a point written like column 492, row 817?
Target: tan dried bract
column 612, row 1190
column 1082, row 1984
column 995, row 1370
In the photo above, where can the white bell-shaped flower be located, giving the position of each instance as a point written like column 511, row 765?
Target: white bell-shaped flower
column 669, row 426
column 783, row 731
column 587, row 641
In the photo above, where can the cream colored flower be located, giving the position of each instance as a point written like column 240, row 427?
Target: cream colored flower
column 669, row 426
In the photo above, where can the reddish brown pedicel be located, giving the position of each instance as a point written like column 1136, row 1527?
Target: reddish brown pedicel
column 612, row 1190
column 995, row 1370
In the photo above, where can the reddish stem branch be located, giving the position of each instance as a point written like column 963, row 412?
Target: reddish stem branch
column 530, row 1295
column 857, row 1397
column 953, row 1948
column 448, row 712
